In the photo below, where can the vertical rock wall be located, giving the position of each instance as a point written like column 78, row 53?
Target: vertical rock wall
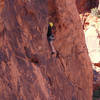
column 70, row 43
column 27, row 69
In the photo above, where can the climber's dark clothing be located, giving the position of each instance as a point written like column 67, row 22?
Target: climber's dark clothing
column 50, row 35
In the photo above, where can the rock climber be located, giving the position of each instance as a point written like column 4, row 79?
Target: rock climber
column 50, row 37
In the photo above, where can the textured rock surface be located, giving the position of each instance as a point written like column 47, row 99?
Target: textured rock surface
column 84, row 5
column 27, row 70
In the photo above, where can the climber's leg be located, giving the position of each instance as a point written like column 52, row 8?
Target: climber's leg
column 52, row 47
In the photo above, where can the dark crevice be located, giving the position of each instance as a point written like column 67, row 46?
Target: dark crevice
column 34, row 59
column 50, row 81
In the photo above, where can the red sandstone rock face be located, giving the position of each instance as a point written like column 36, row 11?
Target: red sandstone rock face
column 84, row 5
column 27, row 70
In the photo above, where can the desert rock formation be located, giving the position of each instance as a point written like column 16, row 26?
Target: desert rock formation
column 27, row 70
column 84, row 5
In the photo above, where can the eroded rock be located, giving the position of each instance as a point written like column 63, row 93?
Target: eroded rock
column 67, row 77
column 85, row 5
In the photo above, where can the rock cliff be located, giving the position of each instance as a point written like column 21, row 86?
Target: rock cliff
column 27, row 69
column 85, row 5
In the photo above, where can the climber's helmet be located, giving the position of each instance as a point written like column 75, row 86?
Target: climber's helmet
column 51, row 24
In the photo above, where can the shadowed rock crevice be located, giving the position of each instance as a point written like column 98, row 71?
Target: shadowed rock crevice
column 86, row 5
